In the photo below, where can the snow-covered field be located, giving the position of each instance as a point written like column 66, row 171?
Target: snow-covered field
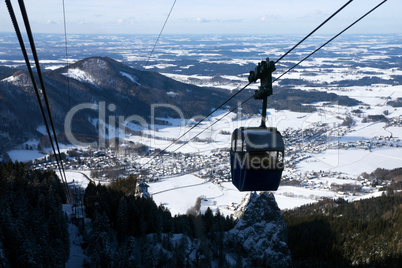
column 79, row 178
column 179, row 194
column 353, row 161
column 24, row 155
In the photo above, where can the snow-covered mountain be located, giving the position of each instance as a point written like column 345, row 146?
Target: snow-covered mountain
column 93, row 80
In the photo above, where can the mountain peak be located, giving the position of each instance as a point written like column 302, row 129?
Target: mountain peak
column 262, row 205
column 97, row 64
column 94, row 80
column 20, row 78
column 99, row 71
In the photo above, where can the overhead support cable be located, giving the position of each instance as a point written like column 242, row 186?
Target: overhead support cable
column 318, row 27
column 199, row 122
column 290, row 69
column 36, row 59
column 156, row 42
column 65, row 44
column 240, row 90
column 330, row 40
column 138, row 82
column 24, row 52
column 59, row 162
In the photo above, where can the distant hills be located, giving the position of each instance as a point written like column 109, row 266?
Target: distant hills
column 131, row 91
column 93, row 80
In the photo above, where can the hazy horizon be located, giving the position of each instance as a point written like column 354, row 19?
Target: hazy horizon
column 204, row 17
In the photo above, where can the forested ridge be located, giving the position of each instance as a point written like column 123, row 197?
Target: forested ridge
column 33, row 227
column 365, row 233
column 130, row 231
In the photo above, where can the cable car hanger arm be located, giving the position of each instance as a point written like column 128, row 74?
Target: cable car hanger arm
column 263, row 71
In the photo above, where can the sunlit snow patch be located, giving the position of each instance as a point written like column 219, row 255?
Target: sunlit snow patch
column 172, row 94
column 80, row 75
column 131, row 77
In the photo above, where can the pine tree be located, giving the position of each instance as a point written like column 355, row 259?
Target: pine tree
column 123, row 220
column 99, row 244
column 208, row 220
column 134, row 253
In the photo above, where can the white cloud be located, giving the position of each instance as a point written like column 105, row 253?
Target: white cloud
column 51, row 22
column 313, row 14
column 270, row 17
column 202, row 20
column 82, row 22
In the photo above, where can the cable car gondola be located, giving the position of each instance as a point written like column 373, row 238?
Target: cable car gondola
column 257, row 153
column 256, row 158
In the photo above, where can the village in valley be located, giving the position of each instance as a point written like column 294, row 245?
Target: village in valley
column 302, row 145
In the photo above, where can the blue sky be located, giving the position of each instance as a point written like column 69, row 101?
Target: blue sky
column 205, row 16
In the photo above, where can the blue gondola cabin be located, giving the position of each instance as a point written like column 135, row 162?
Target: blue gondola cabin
column 256, row 158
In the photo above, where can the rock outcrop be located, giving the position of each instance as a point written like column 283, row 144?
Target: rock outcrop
column 261, row 232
